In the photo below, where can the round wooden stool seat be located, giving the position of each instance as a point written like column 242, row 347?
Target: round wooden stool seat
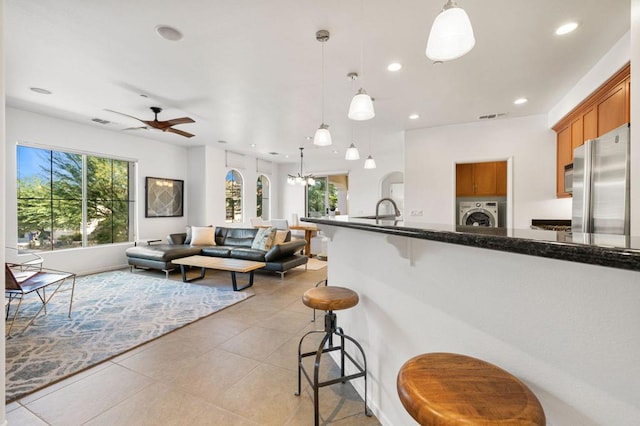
column 453, row 389
column 330, row 298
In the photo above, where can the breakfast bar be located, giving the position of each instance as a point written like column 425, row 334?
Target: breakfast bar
column 559, row 311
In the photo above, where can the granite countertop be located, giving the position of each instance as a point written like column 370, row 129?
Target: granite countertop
column 616, row 251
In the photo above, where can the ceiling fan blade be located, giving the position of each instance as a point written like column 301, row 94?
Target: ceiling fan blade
column 179, row 132
column 136, row 128
column 175, row 121
column 126, row 115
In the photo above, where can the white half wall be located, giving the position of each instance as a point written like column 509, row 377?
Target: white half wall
column 432, row 153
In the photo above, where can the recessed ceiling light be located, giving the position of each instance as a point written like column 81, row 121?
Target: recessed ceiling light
column 395, row 66
column 168, row 33
column 335, row 151
column 253, row 145
column 521, row 101
column 414, row 116
column 566, row 28
column 308, row 138
column 40, row 90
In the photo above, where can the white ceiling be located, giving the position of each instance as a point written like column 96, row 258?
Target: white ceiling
column 249, row 71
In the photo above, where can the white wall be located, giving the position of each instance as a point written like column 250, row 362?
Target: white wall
column 207, row 172
column 431, row 155
column 364, row 185
column 153, row 159
column 616, row 58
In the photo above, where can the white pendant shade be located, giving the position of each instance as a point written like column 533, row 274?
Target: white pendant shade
column 361, row 107
column 322, row 136
column 451, row 35
column 369, row 163
column 352, row 153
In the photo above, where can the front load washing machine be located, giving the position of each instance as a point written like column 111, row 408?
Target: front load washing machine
column 479, row 213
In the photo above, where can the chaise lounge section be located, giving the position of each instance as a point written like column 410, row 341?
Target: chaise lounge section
column 229, row 243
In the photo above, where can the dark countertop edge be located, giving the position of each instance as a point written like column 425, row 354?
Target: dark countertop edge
column 613, row 257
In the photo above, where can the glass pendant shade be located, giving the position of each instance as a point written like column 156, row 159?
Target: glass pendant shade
column 361, row 107
column 352, row 153
column 369, row 163
column 451, row 34
column 322, row 136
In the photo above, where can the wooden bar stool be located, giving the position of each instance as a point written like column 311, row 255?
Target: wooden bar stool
column 452, row 389
column 331, row 299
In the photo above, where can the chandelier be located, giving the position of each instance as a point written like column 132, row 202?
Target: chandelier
column 301, row 179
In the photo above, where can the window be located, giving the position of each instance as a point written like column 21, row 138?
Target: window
column 233, row 197
column 68, row 200
column 262, row 197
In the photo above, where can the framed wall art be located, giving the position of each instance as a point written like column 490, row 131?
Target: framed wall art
column 163, row 197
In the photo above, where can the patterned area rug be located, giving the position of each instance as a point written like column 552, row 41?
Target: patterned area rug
column 112, row 313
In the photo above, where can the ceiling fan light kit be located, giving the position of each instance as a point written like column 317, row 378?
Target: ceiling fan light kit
column 451, row 35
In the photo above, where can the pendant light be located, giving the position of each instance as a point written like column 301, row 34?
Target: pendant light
column 352, row 152
column 451, row 35
column 322, row 136
column 361, row 107
column 369, row 163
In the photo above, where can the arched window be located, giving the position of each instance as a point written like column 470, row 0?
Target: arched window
column 263, row 206
column 233, row 197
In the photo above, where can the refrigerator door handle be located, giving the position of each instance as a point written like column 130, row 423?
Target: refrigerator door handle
column 587, row 222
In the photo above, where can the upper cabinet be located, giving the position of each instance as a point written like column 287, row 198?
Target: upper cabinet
column 481, row 179
column 601, row 112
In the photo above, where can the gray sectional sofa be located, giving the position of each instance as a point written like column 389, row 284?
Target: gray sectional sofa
column 230, row 242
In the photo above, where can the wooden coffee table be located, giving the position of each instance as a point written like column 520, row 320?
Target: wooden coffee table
column 220, row 263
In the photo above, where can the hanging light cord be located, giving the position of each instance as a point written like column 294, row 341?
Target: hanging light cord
column 323, row 42
column 362, row 42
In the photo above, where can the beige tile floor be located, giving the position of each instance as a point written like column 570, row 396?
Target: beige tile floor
column 236, row 367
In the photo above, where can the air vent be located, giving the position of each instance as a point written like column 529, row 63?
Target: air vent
column 492, row 116
column 101, row 121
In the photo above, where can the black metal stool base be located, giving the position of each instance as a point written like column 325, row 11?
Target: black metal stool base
column 331, row 329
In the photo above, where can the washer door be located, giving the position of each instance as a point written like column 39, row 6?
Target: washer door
column 478, row 217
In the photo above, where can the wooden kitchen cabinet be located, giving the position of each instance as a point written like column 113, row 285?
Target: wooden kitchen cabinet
column 612, row 110
column 564, row 155
column 481, row 179
column 605, row 110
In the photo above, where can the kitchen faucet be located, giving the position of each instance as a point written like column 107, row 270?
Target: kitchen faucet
column 393, row 203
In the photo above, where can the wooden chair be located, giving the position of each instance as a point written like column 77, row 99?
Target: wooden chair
column 19, row 284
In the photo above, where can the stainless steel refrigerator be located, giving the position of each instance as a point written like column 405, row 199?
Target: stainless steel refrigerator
column 601, row 184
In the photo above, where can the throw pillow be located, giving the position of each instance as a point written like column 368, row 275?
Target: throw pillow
column 187, row 239
column 203, row 236
column 281, row 236
column 264, row 239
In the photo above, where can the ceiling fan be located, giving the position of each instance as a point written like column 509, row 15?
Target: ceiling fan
column 164, row 126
